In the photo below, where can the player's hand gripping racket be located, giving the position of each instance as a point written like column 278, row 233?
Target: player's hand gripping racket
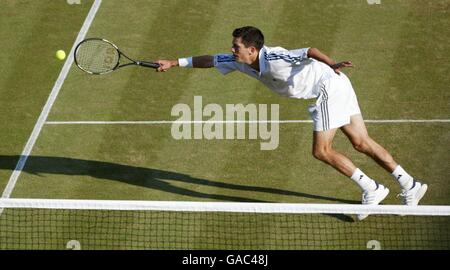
column 100, row 56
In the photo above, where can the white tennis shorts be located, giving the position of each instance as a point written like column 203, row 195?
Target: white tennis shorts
column 336, row 103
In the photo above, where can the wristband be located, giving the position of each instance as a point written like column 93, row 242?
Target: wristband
column 185, row 62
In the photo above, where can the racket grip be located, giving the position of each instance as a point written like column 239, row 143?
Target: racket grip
column 148, row 64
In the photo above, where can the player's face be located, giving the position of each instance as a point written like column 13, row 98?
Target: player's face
column 242, row 53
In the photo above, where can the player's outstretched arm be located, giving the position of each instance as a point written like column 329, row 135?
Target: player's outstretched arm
column 318, row 55
column 204, row 61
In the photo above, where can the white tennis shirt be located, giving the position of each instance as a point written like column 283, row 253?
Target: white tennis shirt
column 289, row 73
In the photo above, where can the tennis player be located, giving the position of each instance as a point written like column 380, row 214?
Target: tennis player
column 309, row 74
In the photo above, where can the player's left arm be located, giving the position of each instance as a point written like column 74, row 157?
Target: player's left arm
column 318, row 55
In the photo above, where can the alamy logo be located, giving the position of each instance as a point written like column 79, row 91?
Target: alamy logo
column 227, row 124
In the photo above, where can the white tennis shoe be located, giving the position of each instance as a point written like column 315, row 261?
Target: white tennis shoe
column 413, row 195
column 373, row 198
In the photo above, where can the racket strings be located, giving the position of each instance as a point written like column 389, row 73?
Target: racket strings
column 97, row 56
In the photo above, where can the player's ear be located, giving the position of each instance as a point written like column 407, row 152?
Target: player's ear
column 252, row 50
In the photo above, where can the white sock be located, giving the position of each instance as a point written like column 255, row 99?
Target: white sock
column 363, row 181
column 404, row 179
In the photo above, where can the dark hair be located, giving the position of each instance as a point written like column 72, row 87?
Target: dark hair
column 251, row 36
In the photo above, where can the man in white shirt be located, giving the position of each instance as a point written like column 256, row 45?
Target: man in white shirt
column 305, row 74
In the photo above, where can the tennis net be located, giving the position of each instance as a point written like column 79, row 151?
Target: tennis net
column 100, row 224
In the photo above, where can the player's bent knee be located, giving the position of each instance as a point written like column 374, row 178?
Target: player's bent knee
column 362, row 145
column 359, row 146
column 320, row 153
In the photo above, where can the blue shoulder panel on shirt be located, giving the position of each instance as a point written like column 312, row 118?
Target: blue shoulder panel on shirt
column 285, row 57
column 225, row 58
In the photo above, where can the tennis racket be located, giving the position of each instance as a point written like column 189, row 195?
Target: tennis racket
column 99, row 56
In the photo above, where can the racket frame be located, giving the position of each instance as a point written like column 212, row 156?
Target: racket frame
column 118, row 65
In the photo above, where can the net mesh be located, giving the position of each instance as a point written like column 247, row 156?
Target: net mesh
column 96, row 56
column 44, row 227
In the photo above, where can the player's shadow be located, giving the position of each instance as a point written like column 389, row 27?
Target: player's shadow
column 148, row 178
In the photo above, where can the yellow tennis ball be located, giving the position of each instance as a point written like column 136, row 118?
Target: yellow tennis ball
column 60, row 54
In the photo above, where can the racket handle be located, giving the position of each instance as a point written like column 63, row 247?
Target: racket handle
column 148, row 64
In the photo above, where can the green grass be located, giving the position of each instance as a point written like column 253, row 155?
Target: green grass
column 31, row 33
column 399, row 49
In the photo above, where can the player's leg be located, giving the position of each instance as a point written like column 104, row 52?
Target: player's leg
column 323, row 151
column 334, row 106
column 330, row 112
column 356, row 131
column 373, row 193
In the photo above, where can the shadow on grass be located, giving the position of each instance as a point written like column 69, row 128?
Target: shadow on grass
column 148, row 178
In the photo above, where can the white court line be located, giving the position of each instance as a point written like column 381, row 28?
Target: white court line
column 46, row 110
column 160, row 122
